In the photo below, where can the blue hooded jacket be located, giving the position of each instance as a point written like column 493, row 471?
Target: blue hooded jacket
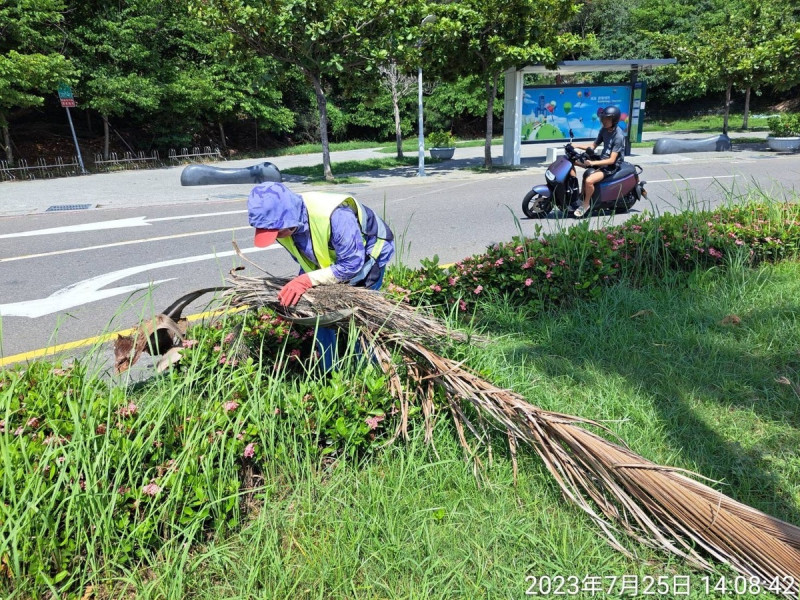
column 274, row 206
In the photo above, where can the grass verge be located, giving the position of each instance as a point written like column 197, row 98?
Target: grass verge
column 709, row 123
column 667, row 367
column 314, row 173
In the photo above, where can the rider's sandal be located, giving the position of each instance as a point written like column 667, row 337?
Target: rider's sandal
column 580, row 212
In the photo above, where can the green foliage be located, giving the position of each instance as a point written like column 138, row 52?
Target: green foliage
column 115, row 473
column 784, row 125
column 324, row 41
column 745, row 44
column 30, row 64
column 485, row 38
column 174, row 81
column 441, row 139
column 579, row 263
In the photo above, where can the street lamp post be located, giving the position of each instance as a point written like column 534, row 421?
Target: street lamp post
column 426, row 21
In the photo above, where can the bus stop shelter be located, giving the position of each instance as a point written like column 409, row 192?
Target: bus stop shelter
column 514, row 94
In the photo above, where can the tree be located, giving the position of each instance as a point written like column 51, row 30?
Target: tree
column 30, row 64
column 323, row 39
column 399, row 85
column 117, row 47
column 487, row 37
column 736, row 45
column 216, row 81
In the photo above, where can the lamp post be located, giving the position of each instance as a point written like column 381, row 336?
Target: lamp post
column 426, row 21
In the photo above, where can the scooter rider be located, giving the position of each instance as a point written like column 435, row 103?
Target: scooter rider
column 613, row 141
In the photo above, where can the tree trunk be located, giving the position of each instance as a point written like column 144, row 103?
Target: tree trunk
column 322, row 105
column 398, row 132
column 491, row 92
column 106, row 138
column 6, row 143
column 222, row 137
column 727, row 107
column 746, row 106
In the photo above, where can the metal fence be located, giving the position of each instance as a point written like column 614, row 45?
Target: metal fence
column 128, row 161
column 42, row 169
column 207, row 152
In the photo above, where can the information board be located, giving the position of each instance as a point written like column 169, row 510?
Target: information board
column 550, row 112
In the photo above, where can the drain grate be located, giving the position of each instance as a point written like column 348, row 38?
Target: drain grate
column 59, row 207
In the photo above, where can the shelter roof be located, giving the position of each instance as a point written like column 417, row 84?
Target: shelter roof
column 584, row 66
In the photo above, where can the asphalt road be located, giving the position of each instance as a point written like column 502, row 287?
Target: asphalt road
column 69, row 276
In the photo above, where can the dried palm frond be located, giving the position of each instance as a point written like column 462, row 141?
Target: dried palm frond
column 660, row 506
column 162, row 335
column 376, row 313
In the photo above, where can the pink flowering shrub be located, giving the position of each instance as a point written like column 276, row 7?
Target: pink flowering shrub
column 579, row 262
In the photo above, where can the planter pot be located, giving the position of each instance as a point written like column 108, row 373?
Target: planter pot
column 442, row 153
column 783, row 144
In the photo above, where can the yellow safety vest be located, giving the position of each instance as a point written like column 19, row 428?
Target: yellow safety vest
column 320, row 207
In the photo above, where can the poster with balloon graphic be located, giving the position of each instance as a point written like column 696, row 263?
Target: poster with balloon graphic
column 550, row 112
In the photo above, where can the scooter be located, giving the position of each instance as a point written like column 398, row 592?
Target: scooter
column 617, row 193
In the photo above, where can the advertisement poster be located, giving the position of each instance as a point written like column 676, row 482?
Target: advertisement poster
column 550, row 112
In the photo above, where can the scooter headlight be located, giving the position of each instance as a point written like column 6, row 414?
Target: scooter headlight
column 549, row 175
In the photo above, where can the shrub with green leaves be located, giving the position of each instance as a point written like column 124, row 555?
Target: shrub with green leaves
column 784, row 125
column 579, row 262
column 96, row 475
column 441, row 139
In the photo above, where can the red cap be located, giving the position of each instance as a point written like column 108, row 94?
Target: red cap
column 265, row 237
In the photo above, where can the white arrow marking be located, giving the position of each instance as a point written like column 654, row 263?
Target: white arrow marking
column 89, row 290
column 116, row 224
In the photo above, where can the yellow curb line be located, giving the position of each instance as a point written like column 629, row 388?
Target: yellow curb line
column 101, row 339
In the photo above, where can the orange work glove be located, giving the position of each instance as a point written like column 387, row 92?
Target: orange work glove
column 291, row 293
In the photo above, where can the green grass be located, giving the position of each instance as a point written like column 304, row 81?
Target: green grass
column 735, row 141
column 709, row 123
column 411, row 145
column 677, row 381
column 314, row 173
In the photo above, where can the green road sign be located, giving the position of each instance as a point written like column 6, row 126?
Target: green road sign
column 64, row 92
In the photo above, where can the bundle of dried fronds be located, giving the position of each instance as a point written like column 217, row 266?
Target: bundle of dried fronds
column 622, row 492
column 331, row 303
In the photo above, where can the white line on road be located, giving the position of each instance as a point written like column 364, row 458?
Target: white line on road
column 213, row 214
column 690, row 178
column 88, row 290
column 125, row 243
column 115, row 224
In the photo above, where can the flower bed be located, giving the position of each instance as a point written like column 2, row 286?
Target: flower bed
column 578, row 263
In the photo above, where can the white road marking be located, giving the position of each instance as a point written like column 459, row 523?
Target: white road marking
column 125, row 243
column 88, row 290
column 676, row 179
column 213, row 214
column 115, row 224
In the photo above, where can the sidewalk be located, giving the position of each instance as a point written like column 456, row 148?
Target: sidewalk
column 137, row 188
